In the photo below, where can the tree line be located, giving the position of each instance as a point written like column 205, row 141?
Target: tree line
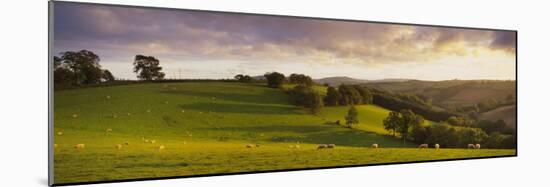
column 79, row 68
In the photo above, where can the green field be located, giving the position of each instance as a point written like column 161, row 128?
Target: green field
column 205, row 127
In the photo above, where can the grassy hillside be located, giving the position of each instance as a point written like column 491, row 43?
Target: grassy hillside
column 452, row 92
column 506, row 113
column 204, row 128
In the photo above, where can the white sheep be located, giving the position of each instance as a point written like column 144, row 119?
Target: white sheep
column 322, row 146
column 75, row 115
column 331, row 146
column 59, row 133
column 118, row 146
column 146, row 141
column 79, row 146
column 422, row 146
column 153, row 141
column 108, row 97
column 471, row 146
column 478, row 146
column 108, row 130
column 375, row 145
column 161, row 147
column 436, row 146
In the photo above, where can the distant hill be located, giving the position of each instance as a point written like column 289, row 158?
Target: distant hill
column 506, row 113
column 451, row 92
column 335, row 81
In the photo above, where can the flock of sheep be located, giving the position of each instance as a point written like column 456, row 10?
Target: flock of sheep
column 297, row 146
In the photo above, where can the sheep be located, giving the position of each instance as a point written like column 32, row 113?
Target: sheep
column 477, row 146
column 322, row 146
column 182, row 111
column 436, row 146
column 126, row 143
column 146, row 141
column 161, row 147
column 471, row 146
column 108, row 130
column 153, row 141
column 79, row 146
column 75, row 115
column 375, row 145
column 118, row 146
column 331, row 146
column 422, row 146
column 295, row 146
column 108, row 97
column 249, row 146
column 59, row 133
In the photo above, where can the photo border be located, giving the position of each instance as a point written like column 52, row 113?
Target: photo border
column 51, row 18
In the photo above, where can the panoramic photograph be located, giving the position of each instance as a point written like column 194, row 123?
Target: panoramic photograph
column 144, row 93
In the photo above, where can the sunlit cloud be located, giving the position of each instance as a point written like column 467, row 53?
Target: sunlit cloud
column 251, row 43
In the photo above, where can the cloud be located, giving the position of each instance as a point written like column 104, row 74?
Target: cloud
column 192, row 35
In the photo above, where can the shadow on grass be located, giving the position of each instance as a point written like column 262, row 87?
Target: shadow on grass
column 241, row 108
column 257, row 96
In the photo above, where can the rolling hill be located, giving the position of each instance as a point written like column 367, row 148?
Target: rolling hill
column 204, row 128
column 506, row 113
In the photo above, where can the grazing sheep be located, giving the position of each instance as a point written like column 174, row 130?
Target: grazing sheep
column 422, row 146
column 108, row 130
column 471, row 146
column 75, row 115
column 79, row 146
column 375, row 145
column 118, row 146
column 153, row 141
column 108, row 97
column 146, row 141
column 249, row 146
column 436, row 146
column 161, row 147
column 322, row 146
column 478, row 146
column 331, row 146
column 59, row 133
column 182, row 111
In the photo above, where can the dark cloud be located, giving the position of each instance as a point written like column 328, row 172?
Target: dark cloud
column 124, row 31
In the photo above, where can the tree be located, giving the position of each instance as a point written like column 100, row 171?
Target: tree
column 349, row 95
column 148, row 68
column 243, row 78
column 108, row 76
column 307, row 97
column 83, row 64
column 365, row 94
column 275, row 79
column 392, row 121
column 352, row 117
column 333, row 96
column 300, row 79
column 408, row 120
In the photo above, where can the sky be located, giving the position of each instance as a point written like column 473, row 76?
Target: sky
column 193, row 44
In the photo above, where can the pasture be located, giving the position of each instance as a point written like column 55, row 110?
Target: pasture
column 205, row 126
